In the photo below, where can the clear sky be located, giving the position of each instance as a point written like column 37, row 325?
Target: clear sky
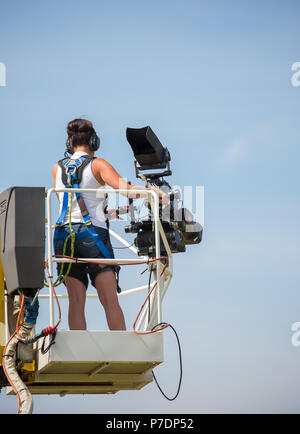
column 213, row 80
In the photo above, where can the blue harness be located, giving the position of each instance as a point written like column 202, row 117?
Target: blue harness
column 72, row 180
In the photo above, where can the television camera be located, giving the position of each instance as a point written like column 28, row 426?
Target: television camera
column 178, row 222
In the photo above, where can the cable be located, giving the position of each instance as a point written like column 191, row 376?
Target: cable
column 50, row 330
column 100, row 261
column 149, row 282
column 142, row 307
column 162, row 325
column 18, row 326
column 180, row 362
column 62, row 276
column 25, row 326
column 51, row 342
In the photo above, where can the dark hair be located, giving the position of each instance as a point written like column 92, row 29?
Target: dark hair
column 80, row 131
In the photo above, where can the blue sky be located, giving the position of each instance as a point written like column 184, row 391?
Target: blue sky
column 213, row 80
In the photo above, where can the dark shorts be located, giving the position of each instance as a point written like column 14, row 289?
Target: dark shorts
column 84, row 247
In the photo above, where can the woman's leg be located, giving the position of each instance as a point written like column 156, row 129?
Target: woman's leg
column 106, row 285
column 77, row 296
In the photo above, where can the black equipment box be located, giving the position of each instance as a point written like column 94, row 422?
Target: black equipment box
column 22, row 225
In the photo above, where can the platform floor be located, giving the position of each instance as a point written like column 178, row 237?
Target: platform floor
column 96, row 362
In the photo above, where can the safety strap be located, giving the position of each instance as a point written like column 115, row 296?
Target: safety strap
column 80, row 163
column 63, row 235
column 90, row 227
column 71, row 168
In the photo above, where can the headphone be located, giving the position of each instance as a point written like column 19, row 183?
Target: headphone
column 94, row 143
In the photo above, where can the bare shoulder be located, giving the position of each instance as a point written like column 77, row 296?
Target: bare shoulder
column 98, row 167
column 101, row 166
column 100, row 163
column 104, row 172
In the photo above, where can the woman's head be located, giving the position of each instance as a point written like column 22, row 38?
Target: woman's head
column 81, row 133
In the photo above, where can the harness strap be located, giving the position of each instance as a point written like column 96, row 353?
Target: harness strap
column 64, row 210
column 71, row 168
column 64, row 235
column 79, row 164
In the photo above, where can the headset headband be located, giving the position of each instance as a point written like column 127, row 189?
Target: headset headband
column 93, row 144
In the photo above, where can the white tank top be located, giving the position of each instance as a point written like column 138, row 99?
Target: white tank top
column 95, row 202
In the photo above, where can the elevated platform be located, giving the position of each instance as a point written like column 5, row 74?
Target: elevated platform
column 95, row 362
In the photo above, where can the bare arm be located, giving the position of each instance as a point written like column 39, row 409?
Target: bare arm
column 105, row 173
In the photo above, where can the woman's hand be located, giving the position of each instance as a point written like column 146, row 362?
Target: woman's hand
column 163, row 197
column 113, row 213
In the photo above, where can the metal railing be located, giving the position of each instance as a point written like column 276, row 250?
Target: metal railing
column 160, row 281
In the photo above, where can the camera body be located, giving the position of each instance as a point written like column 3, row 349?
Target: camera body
column 177, row 222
